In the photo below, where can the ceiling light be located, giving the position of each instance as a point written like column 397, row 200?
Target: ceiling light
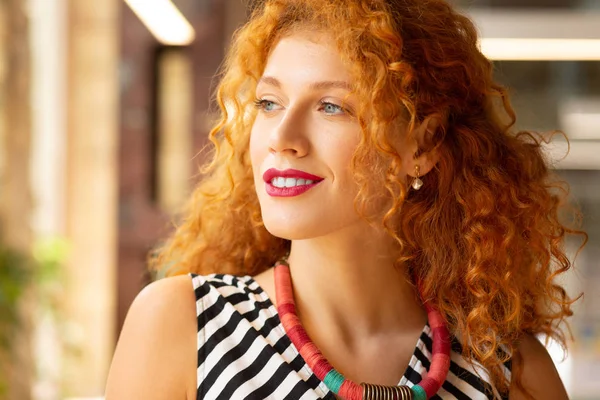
column 579, row 117
column 577, row 154
column 164, row 21
column 541, row 49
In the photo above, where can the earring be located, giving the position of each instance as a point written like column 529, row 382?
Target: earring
column 417, row 182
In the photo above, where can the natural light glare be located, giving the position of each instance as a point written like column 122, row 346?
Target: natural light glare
column 563, row 363
column 164, row 21
column 581, row 125
column 541, row 49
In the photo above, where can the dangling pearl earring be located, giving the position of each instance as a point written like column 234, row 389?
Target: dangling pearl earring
column 417, row 182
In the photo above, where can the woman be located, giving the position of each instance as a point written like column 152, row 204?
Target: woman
column 365, row 149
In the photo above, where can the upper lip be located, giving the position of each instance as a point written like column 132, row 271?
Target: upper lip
column 289, row 173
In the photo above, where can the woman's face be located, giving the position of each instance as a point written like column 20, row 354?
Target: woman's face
column 303, row 139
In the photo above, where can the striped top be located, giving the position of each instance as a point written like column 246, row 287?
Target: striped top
column 244, row 353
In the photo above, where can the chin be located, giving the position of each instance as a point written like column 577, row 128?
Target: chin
column 293, row 228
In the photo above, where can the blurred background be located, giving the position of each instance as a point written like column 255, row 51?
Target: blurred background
column 104, row 108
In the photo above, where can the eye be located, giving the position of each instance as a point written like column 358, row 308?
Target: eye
column 265, row 105
column 331, row 108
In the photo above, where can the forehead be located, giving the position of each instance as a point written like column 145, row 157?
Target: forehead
column 307, row 56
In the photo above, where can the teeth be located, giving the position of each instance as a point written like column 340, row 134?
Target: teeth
column 281, row 182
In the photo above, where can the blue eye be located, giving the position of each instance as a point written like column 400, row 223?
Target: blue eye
column 331, row 108
column 265, row 105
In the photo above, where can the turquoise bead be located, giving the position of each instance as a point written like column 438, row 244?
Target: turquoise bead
column 418, row 393
column 333, row 380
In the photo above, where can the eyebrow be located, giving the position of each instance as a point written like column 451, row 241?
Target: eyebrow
column 269, row 80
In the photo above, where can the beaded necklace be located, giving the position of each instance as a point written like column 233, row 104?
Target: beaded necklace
column 335, row 381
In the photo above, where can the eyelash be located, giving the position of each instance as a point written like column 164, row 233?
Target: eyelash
column 324, row 103
column 260, row 104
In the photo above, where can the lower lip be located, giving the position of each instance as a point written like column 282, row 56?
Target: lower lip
column 288, row 191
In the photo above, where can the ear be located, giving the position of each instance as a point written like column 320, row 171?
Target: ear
column 423, row 154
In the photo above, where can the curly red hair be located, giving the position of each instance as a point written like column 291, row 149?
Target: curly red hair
column 482, row 237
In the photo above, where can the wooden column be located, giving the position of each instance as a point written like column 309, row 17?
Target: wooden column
column 174, row 128
column 15, row 199
column 91, row 216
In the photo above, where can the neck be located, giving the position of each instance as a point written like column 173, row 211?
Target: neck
column 351, row 285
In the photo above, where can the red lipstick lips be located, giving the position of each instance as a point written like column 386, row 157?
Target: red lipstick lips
column 288, row 191
column 289, row 173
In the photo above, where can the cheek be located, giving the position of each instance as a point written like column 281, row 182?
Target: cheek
column 257, row 149
column 340, row 156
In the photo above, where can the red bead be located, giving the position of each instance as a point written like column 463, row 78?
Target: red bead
column 441, row 341
column 440, row 363
column 286, row 308
column 438, row 375
column 436, row 320
column 350, row 390
column 431, row 386
column 298, row 336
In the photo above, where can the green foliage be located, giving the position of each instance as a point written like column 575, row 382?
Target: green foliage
column 15, row 276
column 49, row 256
column 41, row 272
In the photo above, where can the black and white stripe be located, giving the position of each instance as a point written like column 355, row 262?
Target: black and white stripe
column 243, row 352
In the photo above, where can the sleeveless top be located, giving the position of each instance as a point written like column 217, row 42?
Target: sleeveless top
column 244, row 353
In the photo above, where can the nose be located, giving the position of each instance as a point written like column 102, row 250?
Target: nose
column 289, row 136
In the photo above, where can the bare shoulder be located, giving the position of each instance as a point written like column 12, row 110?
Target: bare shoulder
column 266, row 280
column 539, row 377
column 155, row 357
